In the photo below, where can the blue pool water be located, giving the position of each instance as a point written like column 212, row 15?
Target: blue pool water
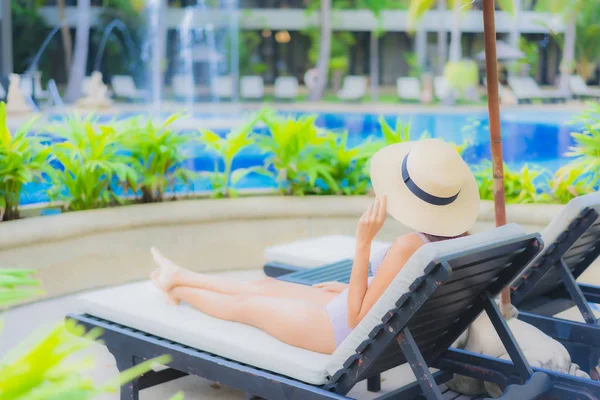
column 540, row 139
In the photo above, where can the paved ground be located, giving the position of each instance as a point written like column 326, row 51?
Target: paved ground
column 22, row 321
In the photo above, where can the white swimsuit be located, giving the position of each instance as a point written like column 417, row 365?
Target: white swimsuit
column 337, row 309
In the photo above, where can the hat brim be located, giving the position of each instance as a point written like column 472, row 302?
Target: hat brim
column 449, row 220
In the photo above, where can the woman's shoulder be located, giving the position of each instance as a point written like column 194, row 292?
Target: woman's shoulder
column 410, row 240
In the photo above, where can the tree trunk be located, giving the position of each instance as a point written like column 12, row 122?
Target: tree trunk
column 374, row 65
column 442, row 37
column 455, row 34
column 65, row 32
column 79, row 65
column 324, row 52
column 568, row 56
column 515, row 34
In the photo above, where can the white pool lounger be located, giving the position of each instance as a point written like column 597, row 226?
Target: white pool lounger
column 137, row 324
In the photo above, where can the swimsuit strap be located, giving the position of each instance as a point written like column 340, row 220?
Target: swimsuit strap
column 423, row 237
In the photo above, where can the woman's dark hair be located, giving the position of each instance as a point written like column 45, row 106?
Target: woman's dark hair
column 434, row 238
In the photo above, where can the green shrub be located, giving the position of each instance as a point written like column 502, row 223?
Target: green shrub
column 568, row 183
column 158, row 156
column 519, row 186
column 23, row 159
column 403, row 133
column 347, row 166
column 92, row 161
column 462, row 75
column 586, row 151
column 293, row 152
column 226, row 149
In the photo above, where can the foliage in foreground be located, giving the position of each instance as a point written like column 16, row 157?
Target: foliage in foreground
column 54, row 365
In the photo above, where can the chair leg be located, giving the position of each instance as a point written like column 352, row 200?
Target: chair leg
column 131, row 390
column 374, row 383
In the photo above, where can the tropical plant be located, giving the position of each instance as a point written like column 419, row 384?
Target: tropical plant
column 293, row 155
column 347, row 165
column 29, row 30
column 569, row 9
column 462, row 76
column 532, row 56
column 568, row 183
column 23, row 159
column 91, row 159
column 51, row 367
column 587, row 51
column 586, row 151
column 414, row 69
column 17, row 285
column 225, row 149
column 158, row 156
column 248, row 43
column 519, row 186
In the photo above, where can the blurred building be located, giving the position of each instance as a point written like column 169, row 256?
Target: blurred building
column 280, row 38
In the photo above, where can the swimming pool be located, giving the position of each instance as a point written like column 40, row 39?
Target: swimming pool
column 540, row 139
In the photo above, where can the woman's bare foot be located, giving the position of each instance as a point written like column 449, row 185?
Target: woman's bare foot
column 163, row 277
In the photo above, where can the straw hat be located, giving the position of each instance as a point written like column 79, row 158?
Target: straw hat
column 429, row 187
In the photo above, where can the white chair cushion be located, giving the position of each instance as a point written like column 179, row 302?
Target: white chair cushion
column 318, row 251
column 413, row 269
column 141, row 306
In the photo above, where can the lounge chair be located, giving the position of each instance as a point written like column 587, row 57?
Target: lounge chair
column 548, row 286
column 252, row 87
column 435, row 297
column 184, row 87
column 354, row 88
column 123, row 86
column 441, row 89
column 580, row 89
column 223, row 87
column 526, row 89
column 286, row 88
column 408, row 89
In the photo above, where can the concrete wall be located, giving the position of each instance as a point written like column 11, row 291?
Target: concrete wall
column 89, row 249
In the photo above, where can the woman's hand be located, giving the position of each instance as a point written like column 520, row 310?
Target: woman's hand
column 371, row 222
column 335, row 287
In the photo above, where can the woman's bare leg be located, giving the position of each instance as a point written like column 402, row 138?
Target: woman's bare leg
column 298, row 323
column 266, row 287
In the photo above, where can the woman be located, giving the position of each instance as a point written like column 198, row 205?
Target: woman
column 424, row 185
